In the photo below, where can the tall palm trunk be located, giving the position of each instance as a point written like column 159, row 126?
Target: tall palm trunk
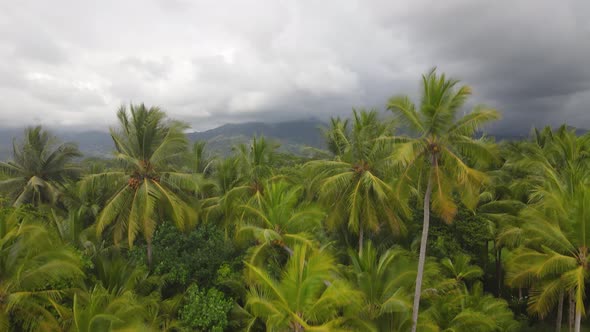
column 559, row 313
column 423, row 244
column 572, row 309
column 578, row 319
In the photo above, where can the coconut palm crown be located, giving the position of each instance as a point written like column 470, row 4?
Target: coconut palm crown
column 149, row 146
column 39, row 169
column 355, row 185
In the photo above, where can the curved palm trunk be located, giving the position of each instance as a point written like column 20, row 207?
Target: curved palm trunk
column 578, row 319
column 559, row 313
column 423, row 244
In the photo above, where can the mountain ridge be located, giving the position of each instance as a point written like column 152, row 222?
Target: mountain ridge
column 295, row 136
column 292, row 136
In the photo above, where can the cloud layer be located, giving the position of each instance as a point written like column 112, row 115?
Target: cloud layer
column 71, row 63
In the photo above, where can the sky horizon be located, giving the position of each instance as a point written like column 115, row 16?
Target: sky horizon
column 68, row 64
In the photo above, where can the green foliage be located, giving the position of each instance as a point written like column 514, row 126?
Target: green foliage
column 196, row 256
column 444, row 153
column 386, row 280
column 36, row 269
column 445, row 149
column 101, row 310
column 149, row 147
column 278, row 217
column 39, row 169
column 205, row 310
column 267, row 241
column 469, row 311
column 308, row 295
column 199, row 161
column 355, row 186
column 553, row 258
column 468, row 234
column 256, row 161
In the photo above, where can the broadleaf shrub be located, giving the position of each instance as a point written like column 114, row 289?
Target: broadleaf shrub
column 205, row 310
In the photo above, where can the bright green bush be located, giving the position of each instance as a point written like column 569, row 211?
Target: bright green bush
column 205, row 310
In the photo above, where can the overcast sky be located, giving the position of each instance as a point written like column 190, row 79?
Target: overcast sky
column 71, row 63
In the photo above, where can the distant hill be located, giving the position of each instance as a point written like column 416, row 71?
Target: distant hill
column 523, row 136
column 6, row 137
column 293, row 136
column 91, row 143
column 580, row 131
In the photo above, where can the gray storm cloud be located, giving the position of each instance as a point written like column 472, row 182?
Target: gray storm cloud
column 71, row 63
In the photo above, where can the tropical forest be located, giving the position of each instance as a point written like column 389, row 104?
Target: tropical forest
column 412, row 219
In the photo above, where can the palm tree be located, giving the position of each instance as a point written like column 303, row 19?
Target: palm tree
column 118, row 275
column 460, row 270
column 308, row 297
column 338, row 135
column 555, row 259
column 239, row 178
column 386, row 282
column 556, row 166
column 83, row 203
column 469, row 311
column 35, row 267
column 279, row 217
column 163, row 313
column 39, row 169
column 355, row 186
column 223, row 208
column 119, row 296
column 256, row 161
column 441, row 153
column 199, row 161
column 227, row 174
column 459, row 304
column 148, row 146
column 101, row 310
column 500, row 202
